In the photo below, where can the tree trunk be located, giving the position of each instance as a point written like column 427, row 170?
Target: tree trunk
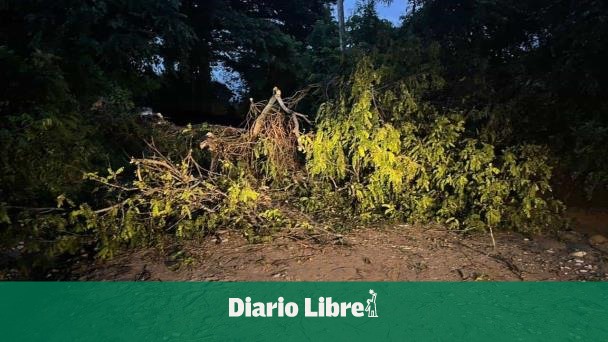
column 341, row 29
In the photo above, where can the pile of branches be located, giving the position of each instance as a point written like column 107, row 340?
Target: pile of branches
column 167, row 197
column 268, row 144
column 185, row 199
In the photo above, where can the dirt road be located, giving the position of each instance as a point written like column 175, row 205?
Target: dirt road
column 395, row 253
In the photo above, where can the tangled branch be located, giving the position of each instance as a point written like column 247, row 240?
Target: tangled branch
column 271, row 134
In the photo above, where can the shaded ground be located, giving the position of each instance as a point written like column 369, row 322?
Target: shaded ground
column 396, row 253
column 591, row 221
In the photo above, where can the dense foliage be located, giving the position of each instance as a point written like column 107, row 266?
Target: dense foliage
column 533, row 71
column 419, row 165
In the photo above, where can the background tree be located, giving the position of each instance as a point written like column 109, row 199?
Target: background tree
column 264, row 44
column 530, row 71
column 60, row 58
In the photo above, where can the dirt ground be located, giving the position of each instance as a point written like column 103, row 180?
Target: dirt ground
column 395, row 253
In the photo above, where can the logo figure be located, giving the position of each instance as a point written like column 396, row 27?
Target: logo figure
column 371, row 305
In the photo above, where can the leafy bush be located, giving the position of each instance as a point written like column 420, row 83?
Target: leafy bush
column 421, row 166
column 165, row 198
column 162, row 199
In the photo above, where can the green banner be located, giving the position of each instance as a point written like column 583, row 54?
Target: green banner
column 303, row 311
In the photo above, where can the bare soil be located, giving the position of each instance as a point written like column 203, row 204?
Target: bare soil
column 394, row 253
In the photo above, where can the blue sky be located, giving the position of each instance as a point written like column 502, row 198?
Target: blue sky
column 391, row 12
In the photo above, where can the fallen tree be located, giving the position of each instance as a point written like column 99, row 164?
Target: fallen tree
column 374, row 154
column 382, row 154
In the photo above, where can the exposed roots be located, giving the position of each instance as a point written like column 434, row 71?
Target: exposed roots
column 268, row 144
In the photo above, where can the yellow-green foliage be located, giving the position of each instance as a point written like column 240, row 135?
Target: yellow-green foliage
column 421, row 166
column 162, row 198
